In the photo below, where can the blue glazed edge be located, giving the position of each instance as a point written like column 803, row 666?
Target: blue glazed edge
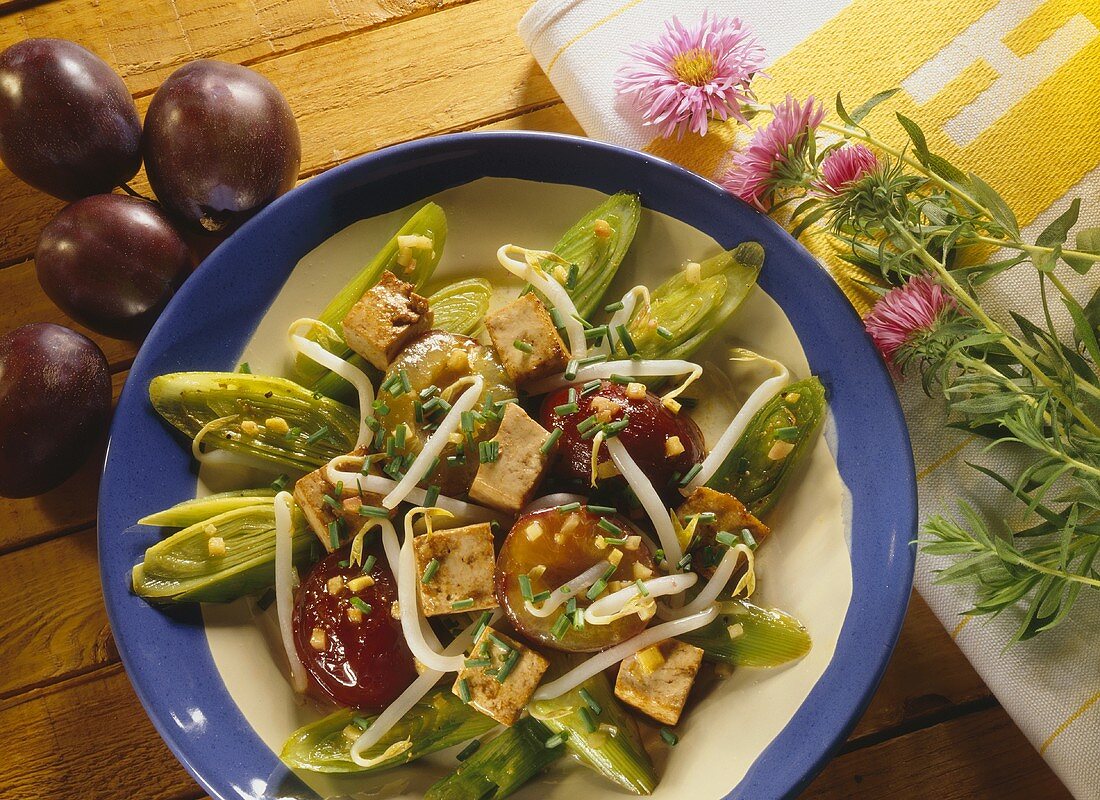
column 210, row 319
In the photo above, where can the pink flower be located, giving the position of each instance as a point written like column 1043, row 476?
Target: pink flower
column 905, row 313
column 691, row 73
column 845, row 166
column 775, row 147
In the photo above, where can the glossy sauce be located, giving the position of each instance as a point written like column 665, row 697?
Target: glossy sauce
column 365, row 664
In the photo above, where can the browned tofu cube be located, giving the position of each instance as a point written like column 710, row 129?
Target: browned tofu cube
column 656, row 681
column 385, row 319
column 310, row 492
column 455, row 569
column 730, row 516
column 526, row 320
column 501, row 687
column 508, row 483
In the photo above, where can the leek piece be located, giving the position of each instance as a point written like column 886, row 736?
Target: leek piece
column 181, row 569
column 501, row 765
column 620, row 756
column 750, row 472
column 200, row 509
column 767, row 637
column 429, row 221
column 321, row 429
column 440, row 720
column 459, row 307
column 598, row 258
column 691, row 312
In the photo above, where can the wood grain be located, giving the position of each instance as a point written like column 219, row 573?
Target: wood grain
column 397, row 77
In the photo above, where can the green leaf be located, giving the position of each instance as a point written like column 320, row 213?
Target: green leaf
column 945, row 169
column 809, row 220
column 916, row 135
column 998, row 208
column 987, row 404
column 868, row 107
column 1083, row 331
column 1054, row 236
column 842, row 113
column 1088, row 241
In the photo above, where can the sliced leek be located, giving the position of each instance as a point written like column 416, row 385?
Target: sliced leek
column 459, row 307
column 747, row 635
column 202, row 508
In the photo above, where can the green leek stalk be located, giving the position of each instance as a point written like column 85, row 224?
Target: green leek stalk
column 440, row 720
column 766, row 637
column 501, row 765
column 181, row 569
column 750, row 472
column 320, row 428
column 683, row 314
column 597, row 258
column 616, row 752
column 201, row 509
column 429, row 221
column 458, row 308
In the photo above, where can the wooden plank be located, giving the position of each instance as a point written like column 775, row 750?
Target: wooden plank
column 86, row 738
column 69, row 507
column 55, row 624
column 483, row 75
column 980, row 755
column 927, row 675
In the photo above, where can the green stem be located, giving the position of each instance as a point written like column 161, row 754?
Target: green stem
column 979, row 314
column 1035, row 248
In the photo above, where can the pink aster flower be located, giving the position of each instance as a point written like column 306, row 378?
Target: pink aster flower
column 906, row 312
column 775, row 152
column 692, row 73
column 845, row 166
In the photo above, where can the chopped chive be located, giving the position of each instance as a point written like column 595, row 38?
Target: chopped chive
column 749, row 539
column 642, row 590
column 244, row 369
column 467, row 423
column 566, row 409
column 572, row 394
column 551, row 440
column 556, row 317
column 464, row 693
column 380, row 408
column 587, row 424
column 616, row 427
column 659, row 556
column 585, row 362
column 609, row 526
column 523, row 346
column 503, row 645
column 265, row 600
column 561, row 625
column 540, row 597
column 361, row 722
column 726, row 538
column 621, row 380
column 611, row 308
column 690, row 474
column 399, row 436
column 418, row 412
column 317, row 435
column 525, row 588
column 590, row 432
column 625, row 340
column 567, row 507
column 429, row 391
column 590, row 387
column 685, row 562
column 482, row 624
column 293, row 433
column 459, row 605
column 578, row 619
column 787, row 434
column 590, row 701
column 405, row 383
column 374, row 511
column 571, row 277
column 443, row 404
column 431, row 496
column 600, row 509
column 571, row 369
column 358, row 603
column 707, row 517
column 368, row 565
column 488, row 452
column 507, row 667
column 614, row 540
column 557, row 740
column 329, row 501
column 280, row 483
column 334, row 533
column 671, row 739
column 596, row 333
column 379, row 438
column 587, row 720
column 596, row 590
column 474, row 663
column 430, row 570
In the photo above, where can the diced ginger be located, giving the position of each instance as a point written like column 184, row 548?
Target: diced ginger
column 615, row 556
column 604, row 408
column 693, row 272
column 673, row 447
column 317, row 639
column 650, row 659
column 215, row 546
column 533, row 530
column 458, row 360
column 360, row 582
column 335, row 584
column 249, row 428
column 780, row 450
column 642, row 572
column 277, row 425
column 602, row 229
column 385, row 319
column 355, row 616
column 636, row 391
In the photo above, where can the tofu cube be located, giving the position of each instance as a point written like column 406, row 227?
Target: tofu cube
column 502, row 687
column 508, row 483
column 730, row 516
column 385, row 319
column 463, row 570
column 526, row 320
column 660, row 692
column 310, row 492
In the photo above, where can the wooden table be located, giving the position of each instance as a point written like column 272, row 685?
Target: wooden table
column 360, row 75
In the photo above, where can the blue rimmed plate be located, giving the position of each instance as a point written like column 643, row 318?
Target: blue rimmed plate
column 840, row 559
